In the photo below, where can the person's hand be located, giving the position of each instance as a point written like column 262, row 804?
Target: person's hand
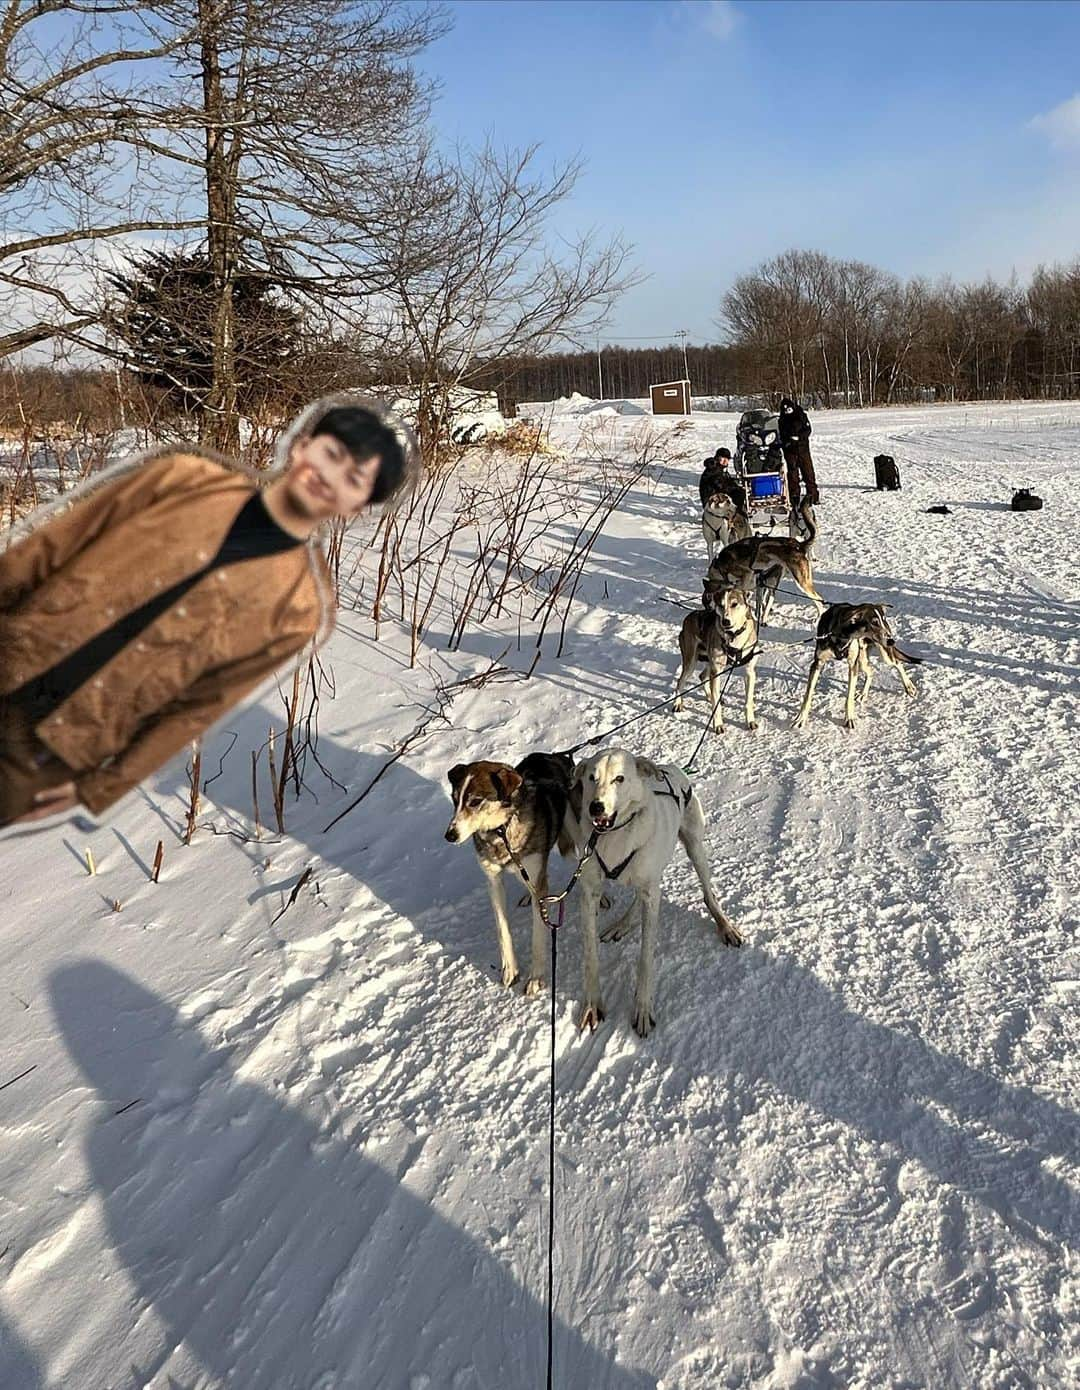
column 50, row 802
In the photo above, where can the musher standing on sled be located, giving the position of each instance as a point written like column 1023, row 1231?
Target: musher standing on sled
column 795, row 433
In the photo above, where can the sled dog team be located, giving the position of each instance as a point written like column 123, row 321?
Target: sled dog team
column 619, row 814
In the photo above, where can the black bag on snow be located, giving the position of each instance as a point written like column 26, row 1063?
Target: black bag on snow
column 1026, row 501
column 886, row 473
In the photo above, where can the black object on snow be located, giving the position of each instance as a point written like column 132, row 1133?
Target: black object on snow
column 886, row 473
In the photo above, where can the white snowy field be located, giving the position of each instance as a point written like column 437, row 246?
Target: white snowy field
column 311, row 1152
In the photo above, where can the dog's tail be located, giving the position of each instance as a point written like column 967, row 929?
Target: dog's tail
column 902, row 655
column 806, row 511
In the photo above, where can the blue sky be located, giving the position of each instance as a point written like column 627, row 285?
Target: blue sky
column 927, row 138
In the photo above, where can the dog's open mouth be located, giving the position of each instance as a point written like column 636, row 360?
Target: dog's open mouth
column 603, row 822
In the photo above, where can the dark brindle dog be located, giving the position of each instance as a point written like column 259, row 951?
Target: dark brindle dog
column 854, row 630
column 522, row 809
column 741, row 562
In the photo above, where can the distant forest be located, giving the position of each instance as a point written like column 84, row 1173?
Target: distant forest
column 845, row 333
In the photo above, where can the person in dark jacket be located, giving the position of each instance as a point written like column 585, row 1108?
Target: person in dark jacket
column 795, row 433
column 718, row 477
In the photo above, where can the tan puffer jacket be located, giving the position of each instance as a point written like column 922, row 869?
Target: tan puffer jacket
column 105, row 555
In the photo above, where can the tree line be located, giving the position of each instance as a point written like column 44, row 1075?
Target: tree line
column 234, row 206
column 835, row 332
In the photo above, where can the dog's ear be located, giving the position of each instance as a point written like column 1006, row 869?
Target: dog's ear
column 457, row 775
column 506, row 782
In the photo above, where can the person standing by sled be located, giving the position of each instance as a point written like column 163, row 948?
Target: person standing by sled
column 795, row 433
column 139, row 609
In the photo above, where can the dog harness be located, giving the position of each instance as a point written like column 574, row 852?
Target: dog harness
column 734, row 656
column 666, row 790
column 591, row 850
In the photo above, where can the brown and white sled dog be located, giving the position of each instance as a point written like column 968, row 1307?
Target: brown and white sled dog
column 740, row 563
column 715, row 637
column 523, row 809
column 632, row 813
column 854, row 630
column 722, row 522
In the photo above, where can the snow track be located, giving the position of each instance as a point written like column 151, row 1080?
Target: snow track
column 311, row 1152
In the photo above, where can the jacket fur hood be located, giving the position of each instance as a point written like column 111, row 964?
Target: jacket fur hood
column 313, row 413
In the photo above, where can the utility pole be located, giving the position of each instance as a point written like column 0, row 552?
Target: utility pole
column 600, row 369
column 682, row 333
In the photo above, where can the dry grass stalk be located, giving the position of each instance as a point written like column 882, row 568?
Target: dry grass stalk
column 195, row 777
column 277, row 785
column 255, row 791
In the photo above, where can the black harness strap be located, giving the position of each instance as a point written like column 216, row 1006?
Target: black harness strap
column 684, row 798
column 617, row 870
column 734, row 656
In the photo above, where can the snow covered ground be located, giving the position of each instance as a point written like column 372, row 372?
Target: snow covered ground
column 311, row 1151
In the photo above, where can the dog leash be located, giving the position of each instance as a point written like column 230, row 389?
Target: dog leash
column 551, row 1163
column 599, row 738
column 543, row 901
column 688, row 767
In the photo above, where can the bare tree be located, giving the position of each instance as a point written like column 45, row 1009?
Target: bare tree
column 471, row 278
column 78, row 81
column 266, row 127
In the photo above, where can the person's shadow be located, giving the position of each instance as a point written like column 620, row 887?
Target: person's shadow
column 278, row 1255
column 18, row 1370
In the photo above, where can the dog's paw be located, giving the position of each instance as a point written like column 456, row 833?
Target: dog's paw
column 728, row 932
column 591, row 1016
column 509, row 976
column 644, row 1022
column 534, row 985
column 677, row 707
column 753, row 728
column 849, row 723
column 621, row 926
column 913, row 694
column 800, row 722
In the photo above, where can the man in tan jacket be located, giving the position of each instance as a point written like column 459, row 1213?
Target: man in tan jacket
column 138, row 612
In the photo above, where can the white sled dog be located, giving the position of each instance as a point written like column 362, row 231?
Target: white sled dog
column 632, row 812
column 854, row 630
column 722, row 522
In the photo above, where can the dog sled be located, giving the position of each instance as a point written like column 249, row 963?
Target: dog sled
column 759, row 464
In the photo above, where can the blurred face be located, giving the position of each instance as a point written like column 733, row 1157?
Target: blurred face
column 325, row 480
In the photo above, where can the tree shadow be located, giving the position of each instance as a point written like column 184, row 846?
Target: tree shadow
column 279, row 1255
column 995, row 1141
